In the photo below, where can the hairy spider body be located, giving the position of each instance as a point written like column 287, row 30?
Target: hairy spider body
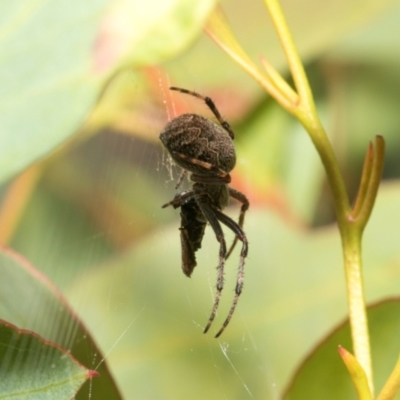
column 193, row 137
column 206, row 150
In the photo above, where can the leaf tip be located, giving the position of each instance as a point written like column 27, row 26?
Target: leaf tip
column 92, row 373
column 343, row 352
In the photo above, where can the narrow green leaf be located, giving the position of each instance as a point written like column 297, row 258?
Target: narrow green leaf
column 357, row 374
column 365, row 177
column 373, row 182
column 219, row 30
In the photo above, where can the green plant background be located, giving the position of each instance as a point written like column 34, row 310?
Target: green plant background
column 94, row 223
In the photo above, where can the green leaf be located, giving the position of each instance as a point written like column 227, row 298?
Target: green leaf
column 152, row 315
column 57, row 56
column 32, row 368
column 29, row 301
column 323, row 374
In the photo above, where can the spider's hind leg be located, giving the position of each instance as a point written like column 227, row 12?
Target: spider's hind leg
column 209, row 214
column 239, row 196
column 231, row 224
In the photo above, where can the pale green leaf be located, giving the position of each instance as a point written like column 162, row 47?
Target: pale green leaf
column 29, row 300
column 151, row 314
column 34, row 369
column 57, row 56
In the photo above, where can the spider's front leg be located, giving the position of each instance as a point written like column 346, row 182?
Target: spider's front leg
column 180, row 179
column 211, row 105
column 179, row 199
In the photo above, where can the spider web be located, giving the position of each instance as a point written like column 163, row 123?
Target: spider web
column 144, row 314
column 225, row 361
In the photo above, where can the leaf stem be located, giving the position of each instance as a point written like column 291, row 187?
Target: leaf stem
column 300, row 103
column 307, row 114
column 218, row 29
column 350, row 233
column 292, row 56
column 281, row 85
column 351, row 243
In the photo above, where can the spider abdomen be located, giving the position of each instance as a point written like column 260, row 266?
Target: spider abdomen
column 192, row 136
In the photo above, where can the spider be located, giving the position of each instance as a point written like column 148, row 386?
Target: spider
column 206, row 150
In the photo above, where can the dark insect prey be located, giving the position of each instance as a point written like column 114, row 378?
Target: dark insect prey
column 206, row 150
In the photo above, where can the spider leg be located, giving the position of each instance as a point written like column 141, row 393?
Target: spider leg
column 219, row 173
column 211, row 105
column 179, row 199
column 209, row 213
column 245, row 206
column 231, row 224
column 180, row 179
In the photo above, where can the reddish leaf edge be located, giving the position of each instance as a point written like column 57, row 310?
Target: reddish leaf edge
column 27, row 332
column 40, row 276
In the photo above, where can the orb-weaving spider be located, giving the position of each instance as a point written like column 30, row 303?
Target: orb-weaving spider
column 206, row 150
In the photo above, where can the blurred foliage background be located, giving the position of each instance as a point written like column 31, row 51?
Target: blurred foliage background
column 84, row 178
